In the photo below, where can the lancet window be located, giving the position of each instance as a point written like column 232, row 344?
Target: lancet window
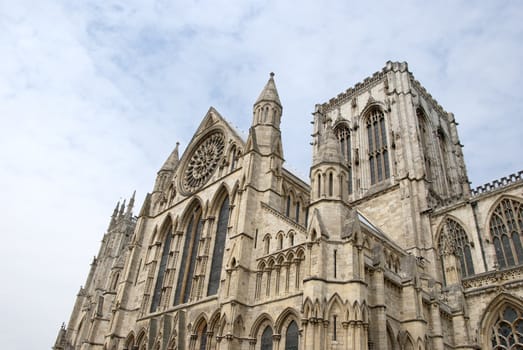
column 161, row 270
column 425, row 138
column 507, row 332
column 266, row 339
column 453, row 240
column 219, row 244
column 506, row 228
column 378, row 149
column 291, row 337
column 343, row 135
column 190, row 252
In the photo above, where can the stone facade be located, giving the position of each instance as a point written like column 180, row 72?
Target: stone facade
column 386, row 248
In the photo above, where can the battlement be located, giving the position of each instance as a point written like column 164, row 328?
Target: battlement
column 498, row 183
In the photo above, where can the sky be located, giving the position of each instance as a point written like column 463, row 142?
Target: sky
column 95, row 94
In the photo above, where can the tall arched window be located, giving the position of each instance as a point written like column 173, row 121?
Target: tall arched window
column 343, row 135
column 161, row 270
column 219, row 244
column 203, row 338
column 506, row 228
column 266, row 339
column 425, row 138
column 378, row 149
column 507, row 332
column 297, row 214
column 291, row 337
column 188, row 260
column 453, row 240
column 288, row 206
column 443, row 149
column 331, row 184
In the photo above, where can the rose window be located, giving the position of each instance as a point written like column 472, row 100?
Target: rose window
column 203, row 162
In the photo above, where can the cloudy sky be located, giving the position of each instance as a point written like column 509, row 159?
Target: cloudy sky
column 95, row 94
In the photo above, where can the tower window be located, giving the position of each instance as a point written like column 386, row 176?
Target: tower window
column 343, row 135
column 378, row 149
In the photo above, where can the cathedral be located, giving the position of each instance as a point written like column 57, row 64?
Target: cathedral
column 385, row 246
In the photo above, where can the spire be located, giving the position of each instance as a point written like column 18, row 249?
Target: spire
column 269, row 92
column 131, row 205
column 113, row 217
column 329, row 148
column 172, row 161
column 122, row 209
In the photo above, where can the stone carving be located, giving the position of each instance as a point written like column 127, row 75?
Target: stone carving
column 203, row 162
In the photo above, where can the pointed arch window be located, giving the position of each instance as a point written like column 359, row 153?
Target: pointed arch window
column 266, row 339
column 425, row 138
column 331, row 184
column 378, row 149
column 219, row 244
column 203, row 338
column 453, row 240
column 506, row 228
column 507, row 332
column 288, row 206
column 161, row 270
column 291, row 337
column 188, row 260
column 343, row 134
column 442, row 140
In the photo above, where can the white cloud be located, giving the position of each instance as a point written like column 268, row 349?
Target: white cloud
column 94, row 95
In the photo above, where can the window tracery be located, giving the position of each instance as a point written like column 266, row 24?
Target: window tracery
column 507, row 332
column 378, row 149
column 219, row 245
column 453, row 241
column 189, row 255
column 506, row 228
column 203, row 162
column 161, row 270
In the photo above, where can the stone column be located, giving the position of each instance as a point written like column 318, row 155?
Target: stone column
column 437, row 333
column 379, row 329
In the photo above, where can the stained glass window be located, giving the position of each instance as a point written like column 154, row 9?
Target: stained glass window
column 291, row 337
column 203, row 338
column 161, row 270
column 453, row 240
column 507, row 332
column 506, row 228
column 266, row 339
column 378, row 149
column 188, row 260
column 219, row 244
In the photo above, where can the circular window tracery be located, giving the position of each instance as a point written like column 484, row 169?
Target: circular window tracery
column 203, row 162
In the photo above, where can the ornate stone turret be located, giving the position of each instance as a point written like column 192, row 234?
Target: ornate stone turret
column 264, row 143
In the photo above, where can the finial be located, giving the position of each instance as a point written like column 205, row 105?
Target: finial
column 271, row 74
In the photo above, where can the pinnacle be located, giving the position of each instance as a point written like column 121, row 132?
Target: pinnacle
column 269, row 92
column 172, row 160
